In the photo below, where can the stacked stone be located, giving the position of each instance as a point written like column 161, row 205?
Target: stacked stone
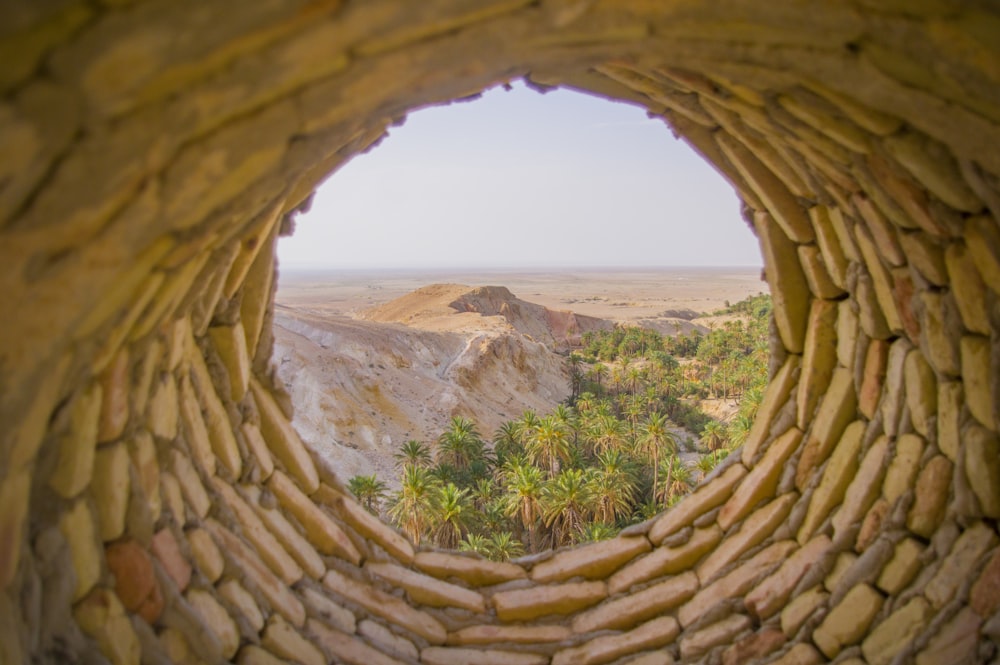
column 157, row 505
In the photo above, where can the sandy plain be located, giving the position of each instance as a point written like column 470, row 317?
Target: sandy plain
column 626, row 294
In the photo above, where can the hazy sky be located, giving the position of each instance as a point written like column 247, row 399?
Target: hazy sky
column 521, row 179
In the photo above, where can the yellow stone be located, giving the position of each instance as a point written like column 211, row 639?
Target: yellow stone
column 362, row 521
column 283, row 441
column 111, row 488
column 194, row 425
column 319, row 528
column 838, row 408
column 703, row 499
column 629, row 610
column 817, row 276
column 537, row 601
column 964, row 556
column 220, row 430
column 163, row 408
column 939, row 333
column 829, row 245
column 800, row 608
column 930, row 497
column 286, row 534
column 471, row 570
column 893, row 395
column 896, row 632
column 819, row 358
column 775, row 396
column 666, row 560
column 695, row 644
column 755, row 528
column 762, row 480
column 976, row 375
column 77, row 445
column 983, row 240
column 284, row 641
column 333, row 614
column 515, row 634
column 78, row 528
column 142, row 452
column 933, row 165
column 921, row 391
column 351, row 649
column 770, row 595
column 206, row 554
column 102, row 617
column 231, row 343
column 425, row 590
column 950, row 400
column 655, row 633
column 839, row 472
column 863, row 489
column 902, row 567
column 460, row 656
column 173, row 498
column 243, row 601
column 982, row 467
column 847, row 623
column 258, row 448
column 967, row 287
column 903, row 469
column 789, row 288
column 594, row 561
column 216, row 620
column 881, row 279
column 388, row 641
column 843, row 563
column 190, row 484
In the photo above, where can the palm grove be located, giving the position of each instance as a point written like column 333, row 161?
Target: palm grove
column 605, row 459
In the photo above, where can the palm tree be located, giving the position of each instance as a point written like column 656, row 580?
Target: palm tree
column 413, row 453
column 502, row 546
column 614, row 486
column 369, row 490
column 477, row 543
column 567, row 502
column 713, row 435
column 677, row 481
column 654, row 439
column 597, row 531
column 606, row 432
column 460, row 445
column 507, row 441
column 451, row 512
column 549, row 445
column 413, row 505
column 523, row 484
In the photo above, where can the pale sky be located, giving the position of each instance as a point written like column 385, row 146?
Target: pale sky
column 519, row 179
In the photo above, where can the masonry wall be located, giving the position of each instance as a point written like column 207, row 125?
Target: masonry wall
column 156, row 505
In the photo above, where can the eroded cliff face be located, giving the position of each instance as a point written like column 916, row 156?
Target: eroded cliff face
column 363, row 386
column 157, row 505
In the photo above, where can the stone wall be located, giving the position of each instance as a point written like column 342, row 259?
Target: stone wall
column 155, row 504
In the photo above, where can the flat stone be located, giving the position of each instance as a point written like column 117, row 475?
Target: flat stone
column 190, row 483
column 114, row 414
column 173, row 497
column 901, row 476
column 652, row 634
column 736, row 583
column 163, row 414
column 982, row 467
column 538, row 601
column 320, row 529
column 349, row 649
column 871, row 525
column 839, row 473
column 322, row 606
column 941, row 331
column 983, row 241
column 215, row 620
column 241, row 558
column 282, row 440
column 817, row 276
column 770, row 596
column 515, row 634
column 762, row 480
column 902, row 567
column 135, row 581
column 258, row 448
column 956, row 642
column 976, row 375
column 707, row 496
column 693, row 645
column 111, row 488
column 78, row 444
column 881, row 279
column 666, row 560
column 896, row 632
column 754, row 647
column 870, row 392
column 847, row 333
column 220, row 429
column 934, row 167
column 288, row 536
column 369, row 526
column 845, row 562
column 863, row 489
column 265, row 544
column 789, row 288
column 967, row 287
column 984, row 597
column 921, row 391
column 142, row 452
column 838, row 408
column 78, row 528
column 284, row 641
column 829, row 244
column 848, row 621
column 819, row 358
column 931, row 497
column 800, row 654
column 425, row 590
column 241, row 599
column 102, row 617
column 629, row 610
column 206, row 553
column 472, row 571
column 594, row 561
column 926, row 255
column 964, row 556
column 391, row 608
column 757, row 527
column 800, row 608
column 231, row 343
column 252, row 654
column 775, row 395
column 168, row 551
column 195, row 429
column 950, row 401
column 388, row 641
column 463, row 656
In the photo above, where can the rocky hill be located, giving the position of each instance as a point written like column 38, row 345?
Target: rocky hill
column 364, row 385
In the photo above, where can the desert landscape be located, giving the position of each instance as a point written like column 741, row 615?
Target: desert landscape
column 374, row 359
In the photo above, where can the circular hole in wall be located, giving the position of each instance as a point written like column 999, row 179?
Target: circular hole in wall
column 385, row 336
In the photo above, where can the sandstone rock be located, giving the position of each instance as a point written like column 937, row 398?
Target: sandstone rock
column 984, row 597
column 538, row 601
column 167, row 550
column 791, row 295
column 282, row 440
column 206, row 554
column 654, row 633
column 216, row 620
column 216, row 420
column 871, row 526
column 284, row 641
column 349, row 648
column 77, row 526
column 239, row 598
column 921, row 391
column 114, row 382
column 291, row 540
column 931, row 496
column 388, row 641
column 754, row 647
column 819, row 280
column 970, row 547
column 473, row 571
column 753, row 531
column 460, row 656
column 837, row 409
column 190, row 484
column 590, row 561
column 873, row 377
column 863, row 489
column 135, row 581
column 839, row 472
column 103, row 618
column 775, row 396
column 902, row 568
column 941, row 332
column 515, row 634
column 800, row 608
column 982, row 467
column 904, row 467
column 258, row 448
column 721, row 632
column 231, row 343
column 956, row 642
column 111, row 489
column 896, row 632
column 949, row 400
column 425, row 590
column 631, row 609
column 848, row 621
column 881, row 280
column 976, row 376
column 768, row 597
column 369, row 526
column 320, row 530
column 162, row 416
column 142, row 452
column 194, row 425
column 800, row 654
column 706, row 497
column 967, row 287
column 762, row 480
column 666, row 560
column 78, row 444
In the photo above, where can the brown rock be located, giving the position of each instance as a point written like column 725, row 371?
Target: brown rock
column 350, row 649
column 872, row 525
column 762, row 481
column 874, row 375
column 901, row 476
column 473, row 571
column 956, row 642
column 652, row 634
column 102, row 617
column 666, row 560
column 847, row 623
column 165, row 548
column 982, row 467
column 135, row 581
column 902, row 567
column 459, row 656
column 320, row 529
column 216, row 620
column 976, row 375
column 985, row 595
column 594, row 561
column 638, row 606
column 838, row 408
column 770, row 596
column 516, row 634
column 896, row 632
column 974, row 542
column 284, row 641
column 931, row 497
column 753, row 531
column 114, row 406
column 283, row 441
column 693, row 645
column 864, row 487
column 754, row 647
column 537, row 601
column 800, row 608
column 839, row 473
column 691, row 507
